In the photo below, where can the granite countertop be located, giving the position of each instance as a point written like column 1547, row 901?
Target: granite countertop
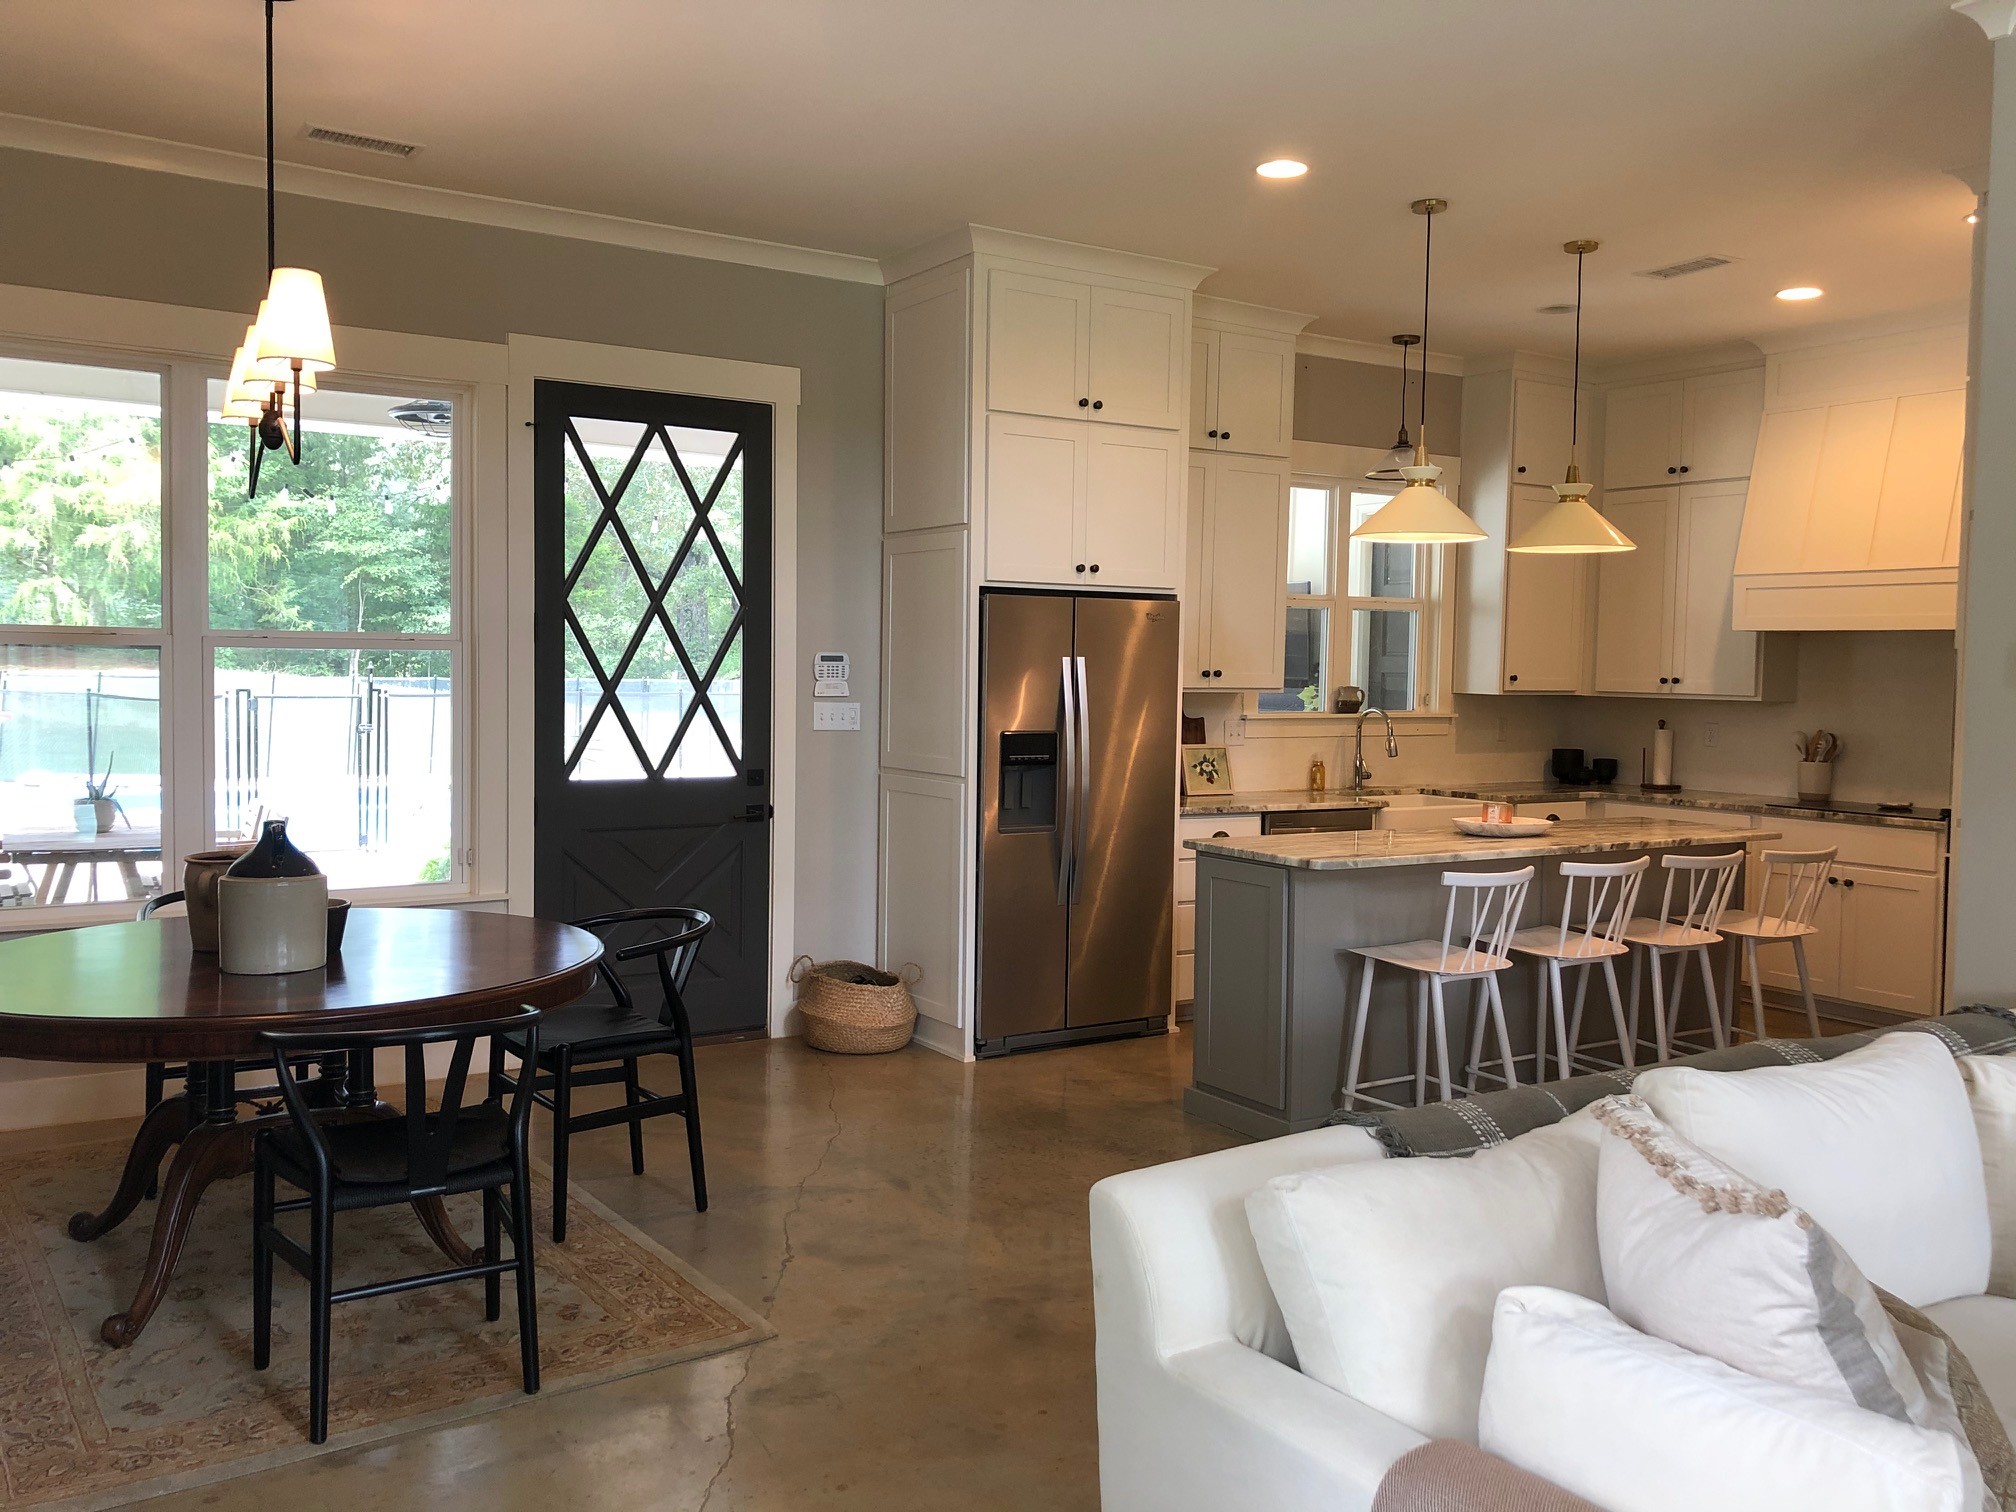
column 1359, row 849
column 1296, row 800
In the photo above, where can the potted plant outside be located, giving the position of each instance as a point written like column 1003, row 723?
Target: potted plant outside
column 98, row 811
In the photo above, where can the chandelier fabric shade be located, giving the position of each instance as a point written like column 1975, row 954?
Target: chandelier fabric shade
column 294, row 322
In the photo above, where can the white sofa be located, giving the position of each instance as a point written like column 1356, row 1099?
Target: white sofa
column 1201, row 1408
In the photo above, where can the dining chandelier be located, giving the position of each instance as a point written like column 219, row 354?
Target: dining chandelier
column 288, row 343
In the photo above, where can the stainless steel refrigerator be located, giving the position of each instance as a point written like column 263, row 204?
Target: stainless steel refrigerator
column 1079, row 709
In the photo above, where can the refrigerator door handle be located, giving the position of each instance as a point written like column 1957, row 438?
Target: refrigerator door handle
column 1082, row 818
column 1067, row 821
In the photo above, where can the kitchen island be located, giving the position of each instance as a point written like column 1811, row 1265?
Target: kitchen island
column 1277, row 915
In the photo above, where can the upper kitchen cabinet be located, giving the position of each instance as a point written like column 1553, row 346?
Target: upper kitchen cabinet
column 1235, row 599
column 1855, row 508
column 1082, row 506
column 1522, row 621
column 1076, row 348
column 1242, row 378
column 1701, row 429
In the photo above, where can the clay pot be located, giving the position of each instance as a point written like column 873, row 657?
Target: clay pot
column 200, row 873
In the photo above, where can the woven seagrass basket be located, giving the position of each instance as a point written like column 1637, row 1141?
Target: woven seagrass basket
column 851, row 1008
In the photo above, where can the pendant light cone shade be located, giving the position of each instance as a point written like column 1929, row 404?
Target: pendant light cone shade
column 244, row 398
column 294, row 324
column 1420, row 514
column 1572, row 527
column 271, row 372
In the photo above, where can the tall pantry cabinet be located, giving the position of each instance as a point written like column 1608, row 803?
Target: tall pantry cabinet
column 1036, row 433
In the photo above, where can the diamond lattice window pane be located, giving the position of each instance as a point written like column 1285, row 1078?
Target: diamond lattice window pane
column 656, row 510
column 610, row 445
column 700, row 752
column 610, row 601
column 609, row 756
column 702, row 606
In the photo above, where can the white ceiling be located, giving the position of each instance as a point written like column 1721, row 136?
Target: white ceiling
column 1807, row 138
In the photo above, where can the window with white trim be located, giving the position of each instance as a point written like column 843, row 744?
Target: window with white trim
column 1360, row 615
column 179, row 661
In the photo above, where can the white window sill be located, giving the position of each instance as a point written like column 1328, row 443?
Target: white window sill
column 1283, row 725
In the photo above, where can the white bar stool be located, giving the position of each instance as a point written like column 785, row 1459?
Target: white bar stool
column 1799, row 878
column 1602, row 897
column 1473, row 952
column 1689, row 927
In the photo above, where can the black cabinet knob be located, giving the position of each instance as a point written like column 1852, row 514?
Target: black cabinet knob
column 1081, row 568
column 1095, row 568
column 1098, row 404
column 1685, row 468
column 1676, row 681
column 1833, row 881
column 1554, row 818
column 1847, row 881
column 1212, row 434
column 1513, row 678
column 1083, row 402
column 1664, row 680
column 1670, row 471
column 1224, row 435
column 1221, row 834
column 1522, row 469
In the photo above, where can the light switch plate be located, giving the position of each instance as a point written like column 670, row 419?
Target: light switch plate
column 836, row 716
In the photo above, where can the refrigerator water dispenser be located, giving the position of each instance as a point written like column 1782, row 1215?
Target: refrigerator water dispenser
column 1028, row 781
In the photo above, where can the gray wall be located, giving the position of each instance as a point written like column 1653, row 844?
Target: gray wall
column 1985, row 814
column 96, row 229
column 1358, row 404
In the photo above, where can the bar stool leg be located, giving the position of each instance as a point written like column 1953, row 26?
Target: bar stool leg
column 1558, row 996
column 1421, row 1042
column 1756, row 986
column 1806, row 986
column 1659, row 1024
column 1441, row 1040
column 1477, row 1016
column 1637, row 957
column 1358, row 1035
column 1575, row 1018
column 1729, row 985
column 1714, row 1005
column 1539, row 1020
column 1504, row 1038
column 1627, row 1041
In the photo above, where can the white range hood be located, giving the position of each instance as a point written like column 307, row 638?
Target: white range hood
column 1853, row 517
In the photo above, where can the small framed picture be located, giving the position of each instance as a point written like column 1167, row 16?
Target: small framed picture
column 1205, row 770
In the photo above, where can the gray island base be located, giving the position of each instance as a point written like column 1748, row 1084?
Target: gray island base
column 1276, row 985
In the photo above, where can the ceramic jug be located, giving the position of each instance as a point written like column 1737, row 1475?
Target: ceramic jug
column 201, row 871
column 272, row 909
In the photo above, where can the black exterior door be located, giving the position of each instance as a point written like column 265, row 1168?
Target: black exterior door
column 652, row 673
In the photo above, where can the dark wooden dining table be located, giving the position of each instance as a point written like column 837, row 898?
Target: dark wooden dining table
column 138, row 992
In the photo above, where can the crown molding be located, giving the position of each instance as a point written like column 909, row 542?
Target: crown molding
column 64, row 139
column 992, row 241
column 1251, row 317
column 1378, row 353
column 1995, row 17
column 1942, row 321
column 1725, row 357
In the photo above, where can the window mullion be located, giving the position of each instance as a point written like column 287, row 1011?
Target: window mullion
column 185, row 579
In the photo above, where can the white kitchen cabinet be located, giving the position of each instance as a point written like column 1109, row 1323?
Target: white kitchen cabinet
column 1197, row 827
column 1700, row 429
column 1542, row 428
column 1242, row 392
column 1235, row 592
column 1544, row 631
column 1076, row 349
column 1663, row 611
column 1879, row 942
column 1082, row 505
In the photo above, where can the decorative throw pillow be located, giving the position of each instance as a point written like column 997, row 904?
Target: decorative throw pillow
column 1387, row 1271
column 1879, row 1146
column 1636, row 1424
column 1991, row 1090
column 1701, row 1256
column 1958, row 1405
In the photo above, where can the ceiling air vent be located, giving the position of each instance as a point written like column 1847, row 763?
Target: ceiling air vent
column 1682, row 269
column 384, row 146
column 1555, row 309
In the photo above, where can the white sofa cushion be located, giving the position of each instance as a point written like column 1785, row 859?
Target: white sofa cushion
column 1387, row 1272
column 1991, row 1090
column 1879, row 1146
column 1699, row 1255
column 1636, row 1424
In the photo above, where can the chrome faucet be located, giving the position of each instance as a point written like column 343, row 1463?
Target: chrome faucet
column 1359, row 771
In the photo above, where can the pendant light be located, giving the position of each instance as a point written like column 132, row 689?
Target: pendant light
column 290, row 341
column 1421, row 514
column 1571, row 526
column 1388, row 469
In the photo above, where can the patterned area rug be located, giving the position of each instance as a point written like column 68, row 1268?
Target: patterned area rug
column 85, row 1426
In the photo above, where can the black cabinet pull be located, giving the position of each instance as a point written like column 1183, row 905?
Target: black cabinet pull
column 1513, row 678
column 1098, row 404
column 1676, row 681
column 1664, row 680
column 1554, row 818
column 1847, row 881
column 1522, row 469
column 1095, row 566
column 1833, row 881
column 1081, row 568
column 1212, row 434
column 1083, row 402
column 1685, row 468
column 1669, row 471
column 1221, row 834
column 1224, row 435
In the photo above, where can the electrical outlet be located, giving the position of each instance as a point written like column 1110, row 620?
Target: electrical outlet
column 1708, row 734
column 1235, row 730
column 836, row 716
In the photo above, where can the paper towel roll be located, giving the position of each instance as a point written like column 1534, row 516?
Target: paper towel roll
column 1662, row 756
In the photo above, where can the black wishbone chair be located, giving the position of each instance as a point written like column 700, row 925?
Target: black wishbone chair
column 599, row 1034
column 344, row 1166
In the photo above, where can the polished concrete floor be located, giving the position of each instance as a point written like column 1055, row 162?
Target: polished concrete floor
column 914, row 1229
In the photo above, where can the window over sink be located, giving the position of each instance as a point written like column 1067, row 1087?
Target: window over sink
column 1361, row 616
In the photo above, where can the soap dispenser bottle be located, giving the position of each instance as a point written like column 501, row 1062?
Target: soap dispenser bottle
column 1318, row 777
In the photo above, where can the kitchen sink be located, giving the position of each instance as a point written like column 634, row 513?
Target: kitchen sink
column 1420, row 811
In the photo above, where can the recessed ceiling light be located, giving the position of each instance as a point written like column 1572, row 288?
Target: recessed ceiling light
column 1972, row 218
column 1282, row 168
column 1801, row 291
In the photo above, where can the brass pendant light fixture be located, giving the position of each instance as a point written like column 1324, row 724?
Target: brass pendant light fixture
column 1402, row 454
column 290, row 341
column 1421, row 514
column 1571, row 526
